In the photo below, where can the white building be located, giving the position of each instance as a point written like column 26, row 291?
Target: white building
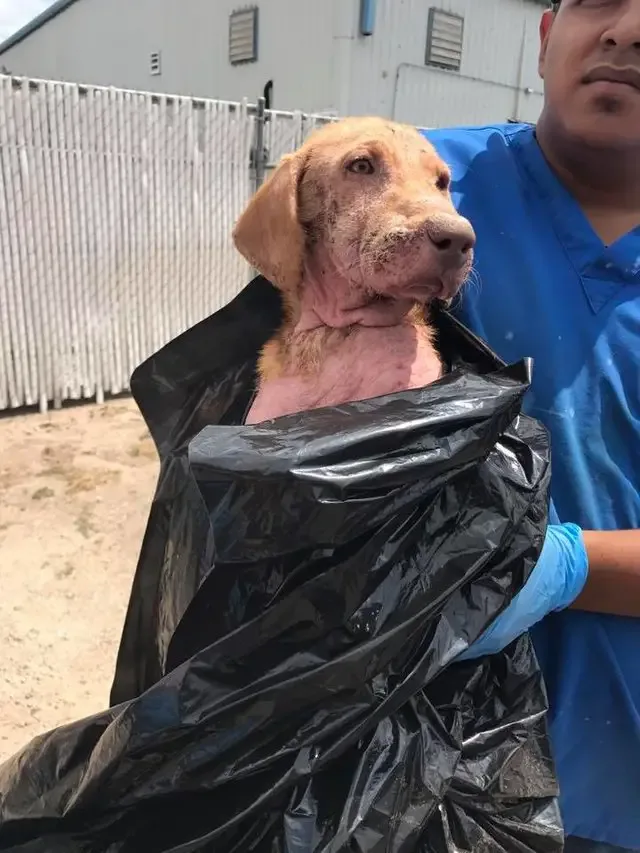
column 428, row 62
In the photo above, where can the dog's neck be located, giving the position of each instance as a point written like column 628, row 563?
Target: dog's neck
column 334, row 320
column 328, row 298
column 330, row 367
column 339, row 344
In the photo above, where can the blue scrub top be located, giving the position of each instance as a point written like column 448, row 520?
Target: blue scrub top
column 548, row 287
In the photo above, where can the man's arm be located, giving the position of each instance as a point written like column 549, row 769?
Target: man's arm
column 555, row 582
column 613, row 582
column 591, row 570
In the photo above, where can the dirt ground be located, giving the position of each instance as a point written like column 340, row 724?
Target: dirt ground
column 75, row 489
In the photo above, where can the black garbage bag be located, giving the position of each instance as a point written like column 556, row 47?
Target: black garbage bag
column 287, row 681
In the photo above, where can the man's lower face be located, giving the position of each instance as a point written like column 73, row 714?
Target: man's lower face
column 605, row 110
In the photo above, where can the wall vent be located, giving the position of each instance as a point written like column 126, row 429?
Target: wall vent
column 243, row 36
column 445, row 33
column 155, row 64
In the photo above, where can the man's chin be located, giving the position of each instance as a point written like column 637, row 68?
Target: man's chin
column 608, row 126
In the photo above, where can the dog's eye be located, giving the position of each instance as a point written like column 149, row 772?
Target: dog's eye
column 361, row 166
column 444, row 182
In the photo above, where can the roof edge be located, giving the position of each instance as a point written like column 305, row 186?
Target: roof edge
column 35, row 24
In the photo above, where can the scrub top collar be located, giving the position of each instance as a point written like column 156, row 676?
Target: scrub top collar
column 603, row 269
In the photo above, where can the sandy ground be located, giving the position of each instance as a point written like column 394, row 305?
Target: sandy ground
column 75, row 489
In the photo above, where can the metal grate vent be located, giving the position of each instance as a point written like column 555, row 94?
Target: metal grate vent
column 243, row 36
column 445, row 32
column 155, row 65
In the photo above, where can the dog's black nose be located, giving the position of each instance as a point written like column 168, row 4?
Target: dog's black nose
column 453, row 237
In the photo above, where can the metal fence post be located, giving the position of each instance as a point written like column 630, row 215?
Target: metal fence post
column 259, row 152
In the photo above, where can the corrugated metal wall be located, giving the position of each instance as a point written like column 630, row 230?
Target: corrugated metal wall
column 499, row 62
column 110, row 42
column 311, row 49
column 441, row 99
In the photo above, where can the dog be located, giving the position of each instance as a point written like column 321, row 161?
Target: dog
column 358, row 231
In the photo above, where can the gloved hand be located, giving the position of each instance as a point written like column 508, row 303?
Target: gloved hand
column 555, row 582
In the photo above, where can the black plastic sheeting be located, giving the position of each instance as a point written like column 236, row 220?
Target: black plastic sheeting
column 285, row 682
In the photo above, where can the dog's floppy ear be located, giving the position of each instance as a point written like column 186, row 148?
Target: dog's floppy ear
column 269, row 234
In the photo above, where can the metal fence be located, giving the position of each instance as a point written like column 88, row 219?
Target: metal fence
column 116, row 212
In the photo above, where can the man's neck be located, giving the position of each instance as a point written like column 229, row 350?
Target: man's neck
column 606, row 184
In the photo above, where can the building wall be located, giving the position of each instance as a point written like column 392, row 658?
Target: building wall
column 311, row 50
column 500, row 59
column 110, row 43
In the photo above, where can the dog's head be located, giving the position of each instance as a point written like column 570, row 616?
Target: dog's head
column 365, row 202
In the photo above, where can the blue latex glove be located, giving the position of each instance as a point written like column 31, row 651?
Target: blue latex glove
column 555, row 582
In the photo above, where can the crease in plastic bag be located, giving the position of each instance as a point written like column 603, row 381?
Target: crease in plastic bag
column 286, row 679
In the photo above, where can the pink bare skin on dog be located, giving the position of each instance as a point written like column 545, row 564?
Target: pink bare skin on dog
column 358, row 231
column 369, row 362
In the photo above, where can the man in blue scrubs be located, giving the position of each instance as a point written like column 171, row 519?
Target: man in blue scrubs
column 556, row 209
